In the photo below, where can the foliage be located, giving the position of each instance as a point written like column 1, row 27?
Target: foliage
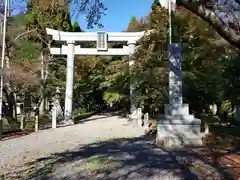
column 89, row 75
column 76, row 27
column 39, row 19
column 136, row 25
column 111, row 97
column 203, row 62
column 79, row 111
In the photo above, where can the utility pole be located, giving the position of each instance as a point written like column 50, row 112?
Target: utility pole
column 2, row 64
column 170, row 20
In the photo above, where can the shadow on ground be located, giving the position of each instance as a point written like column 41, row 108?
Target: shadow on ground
column 127, row 158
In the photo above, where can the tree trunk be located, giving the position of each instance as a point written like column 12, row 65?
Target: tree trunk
column 46, row 104
column 10, row 98
column 14, row 104
column 236, row 110
column 42, row 100
column 41, row 106
column 219, row 108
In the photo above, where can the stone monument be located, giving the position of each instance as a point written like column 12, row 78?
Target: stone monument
column 177, row 127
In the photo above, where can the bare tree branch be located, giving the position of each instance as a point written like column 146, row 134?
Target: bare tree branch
column 213, row 19
column 24, row 33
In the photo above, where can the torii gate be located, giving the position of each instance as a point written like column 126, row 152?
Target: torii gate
column 101, row 39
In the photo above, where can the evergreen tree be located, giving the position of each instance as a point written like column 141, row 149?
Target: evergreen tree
column 136, row 25
column 76, row 27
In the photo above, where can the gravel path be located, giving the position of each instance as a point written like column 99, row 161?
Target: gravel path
column 101, row 147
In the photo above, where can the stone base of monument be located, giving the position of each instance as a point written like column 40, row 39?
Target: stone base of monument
column 177, row 128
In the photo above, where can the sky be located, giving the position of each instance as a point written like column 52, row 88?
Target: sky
column 119, row 13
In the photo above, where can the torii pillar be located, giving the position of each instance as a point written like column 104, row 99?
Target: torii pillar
column 68, row 119
column 133, row 103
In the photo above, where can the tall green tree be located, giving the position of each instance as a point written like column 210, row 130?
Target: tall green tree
column 41, row 15
column 92, row 10
column 76, row 27
column 202, row 63
column 135, row 25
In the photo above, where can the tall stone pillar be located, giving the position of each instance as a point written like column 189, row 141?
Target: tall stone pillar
column 175, row 105
column 69, row 84
column 177, row 127
column 133, row 108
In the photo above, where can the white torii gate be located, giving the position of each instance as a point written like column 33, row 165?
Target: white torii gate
column 101, row 39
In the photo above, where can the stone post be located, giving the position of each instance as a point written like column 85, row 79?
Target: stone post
column 146, row 123
column 36, row 123
column 133, row 108
column 22, row 122
column 69, row 84
column 54, row 117
column 139, row 117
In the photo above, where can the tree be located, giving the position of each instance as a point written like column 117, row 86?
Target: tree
column 223, row 16
column 202, row 61
column 38, row 18
column 76, row 27
column 136, row 25
column 89, row 72
column 21, row 67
